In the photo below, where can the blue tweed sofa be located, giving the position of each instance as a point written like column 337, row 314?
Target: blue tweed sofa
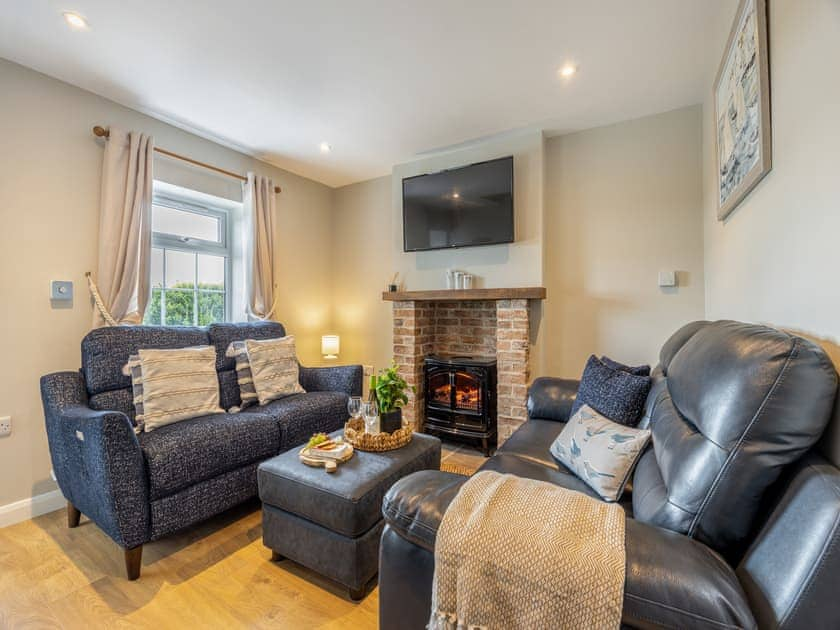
column 139, row 488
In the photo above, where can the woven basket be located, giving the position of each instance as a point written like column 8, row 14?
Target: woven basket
column 354, row 432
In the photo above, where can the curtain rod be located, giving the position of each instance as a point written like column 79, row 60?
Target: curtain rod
column 101, row 132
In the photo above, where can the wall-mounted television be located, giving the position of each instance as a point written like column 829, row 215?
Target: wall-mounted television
column 460, row 207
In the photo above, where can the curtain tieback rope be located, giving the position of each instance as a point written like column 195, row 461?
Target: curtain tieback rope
column 270, row 311
column 97, row 298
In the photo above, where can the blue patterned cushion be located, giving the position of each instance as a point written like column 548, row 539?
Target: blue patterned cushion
column 182, row 454
column 614, row 393
column 602, row 453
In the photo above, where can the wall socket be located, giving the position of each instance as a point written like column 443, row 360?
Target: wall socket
column 368, row 370
column 5, row 425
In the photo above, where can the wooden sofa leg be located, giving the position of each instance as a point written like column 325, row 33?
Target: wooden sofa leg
column 73, row 515
column 133, row 557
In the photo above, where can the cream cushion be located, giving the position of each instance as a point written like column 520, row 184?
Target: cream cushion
column 178, row 384
column 274, row 368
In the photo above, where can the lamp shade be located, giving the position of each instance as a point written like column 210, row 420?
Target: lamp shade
column 330, row 346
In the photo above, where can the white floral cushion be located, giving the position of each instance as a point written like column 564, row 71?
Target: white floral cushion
column 601, row 452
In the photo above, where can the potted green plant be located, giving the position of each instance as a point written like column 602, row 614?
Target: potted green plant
column 389, row 390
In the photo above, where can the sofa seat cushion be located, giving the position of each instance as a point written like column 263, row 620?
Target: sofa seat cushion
column 557, row 474
column 301, row 415
column 532, row 440
column 526, row 454
column 185, row 453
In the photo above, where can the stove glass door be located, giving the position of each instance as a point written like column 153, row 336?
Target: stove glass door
column 440, row 388
column 468, row 394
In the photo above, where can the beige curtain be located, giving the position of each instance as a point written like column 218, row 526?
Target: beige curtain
column 125, row 233
column 259, row 207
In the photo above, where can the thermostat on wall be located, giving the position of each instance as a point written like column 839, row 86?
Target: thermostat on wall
column 61, row 290
column 667, row 278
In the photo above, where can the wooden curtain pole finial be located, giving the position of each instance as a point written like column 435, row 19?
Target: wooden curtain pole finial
column 101, row 132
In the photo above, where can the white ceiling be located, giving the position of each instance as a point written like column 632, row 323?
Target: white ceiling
column 381, row 81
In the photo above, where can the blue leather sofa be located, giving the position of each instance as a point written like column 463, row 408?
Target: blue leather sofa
column 733, row 518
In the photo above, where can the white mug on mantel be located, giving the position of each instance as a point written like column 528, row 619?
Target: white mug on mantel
column 467, row 281
column 450, row 279
column 459, row 279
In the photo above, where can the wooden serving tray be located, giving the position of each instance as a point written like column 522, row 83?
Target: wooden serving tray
column 329, row 464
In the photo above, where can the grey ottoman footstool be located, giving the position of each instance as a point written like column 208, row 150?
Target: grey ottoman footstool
column 332, row 522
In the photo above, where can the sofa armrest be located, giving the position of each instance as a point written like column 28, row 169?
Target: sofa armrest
column 97, row 460
column 415, row 505
column 552, row 398
column 673, row 581
column 341, row 378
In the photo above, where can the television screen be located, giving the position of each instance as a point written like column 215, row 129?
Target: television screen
column 461, row 207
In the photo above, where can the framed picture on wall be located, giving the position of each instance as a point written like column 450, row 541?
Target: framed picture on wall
column 742, row 108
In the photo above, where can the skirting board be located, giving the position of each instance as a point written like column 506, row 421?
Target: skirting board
column 30, row 508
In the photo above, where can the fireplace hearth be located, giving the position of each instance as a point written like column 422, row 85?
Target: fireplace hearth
column 466, row 323
column 461, row 398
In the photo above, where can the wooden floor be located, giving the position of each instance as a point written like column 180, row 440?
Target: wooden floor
column 216, row 575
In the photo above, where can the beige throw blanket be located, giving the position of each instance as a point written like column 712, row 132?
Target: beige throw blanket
column 518, row 553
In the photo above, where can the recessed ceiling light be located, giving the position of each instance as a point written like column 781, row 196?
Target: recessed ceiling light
column 325, row 147
column 456, row 195
column 74, row 20
column 567, row 71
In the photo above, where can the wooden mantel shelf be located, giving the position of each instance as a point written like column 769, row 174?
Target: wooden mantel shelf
column 459, row 295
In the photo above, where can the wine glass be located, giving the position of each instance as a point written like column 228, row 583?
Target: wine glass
column 354, row 407
column 371, row 413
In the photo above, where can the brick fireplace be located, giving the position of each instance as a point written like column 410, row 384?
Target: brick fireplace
column 472, row 322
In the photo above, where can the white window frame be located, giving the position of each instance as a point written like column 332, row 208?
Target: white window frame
column 222, row 247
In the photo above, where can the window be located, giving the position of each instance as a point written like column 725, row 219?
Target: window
column 191, row 260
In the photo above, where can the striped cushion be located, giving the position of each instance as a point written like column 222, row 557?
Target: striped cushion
column 274, row 368
column 132, row 369
column 239, row 352
column 178, row 385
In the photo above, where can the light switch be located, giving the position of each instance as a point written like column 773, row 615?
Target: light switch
column 667, row 278
column 61, row 290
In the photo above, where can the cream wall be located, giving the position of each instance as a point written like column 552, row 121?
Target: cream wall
column 775, row 259
column 362, row 267
column 622, row 203
column 49, row 193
